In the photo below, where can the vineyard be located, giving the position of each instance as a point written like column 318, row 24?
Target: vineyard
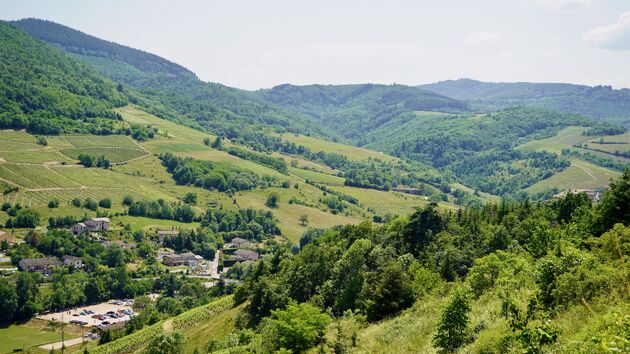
column 93, row 141
column 183, row 321
column 113, row 154
column 116, row 148
column 35, row 176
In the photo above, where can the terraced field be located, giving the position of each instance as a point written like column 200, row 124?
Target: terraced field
column 116, row 148
column 113, row 154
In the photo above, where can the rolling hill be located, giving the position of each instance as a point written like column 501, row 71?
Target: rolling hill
column 598, row 102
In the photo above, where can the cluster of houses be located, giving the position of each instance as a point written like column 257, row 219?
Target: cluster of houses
column 46, row 265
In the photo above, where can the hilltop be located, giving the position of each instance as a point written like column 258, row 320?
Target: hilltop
column 598, row 102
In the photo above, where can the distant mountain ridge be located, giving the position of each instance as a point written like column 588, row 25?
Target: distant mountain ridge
column 596, row 102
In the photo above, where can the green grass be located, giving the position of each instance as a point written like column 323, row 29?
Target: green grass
column 352, row 152
column 148, row 224
column 580, row 175
column 566, row 138
column 316, row 176
column 18, row 337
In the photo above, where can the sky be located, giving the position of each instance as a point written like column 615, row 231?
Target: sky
column 259, row 44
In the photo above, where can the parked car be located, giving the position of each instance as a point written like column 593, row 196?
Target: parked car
column 105, row 323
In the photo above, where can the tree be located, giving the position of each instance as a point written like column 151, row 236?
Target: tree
column 297, row 328
column 27, row 293
column 90, row 203
column 423, row 226
column 8, row 301
column 87, row 160
column 76, row 202
column 127, row 200
column 453, row 327
column 272, row 200
column 53, row 203
column 114, row 256
column 27, row 218
column 190, row 198
column 206, row 141
column 167, row 343
column 105, row 203
column 615, row 205
column 391, row 293
column 304, row 220
column 217, row 143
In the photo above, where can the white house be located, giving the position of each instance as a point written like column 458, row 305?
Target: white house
column 72, row 261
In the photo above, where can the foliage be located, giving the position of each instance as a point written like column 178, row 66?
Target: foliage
column 296, row 328
column 452, row 331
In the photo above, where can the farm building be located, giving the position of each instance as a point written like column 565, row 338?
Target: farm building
column 41, row 265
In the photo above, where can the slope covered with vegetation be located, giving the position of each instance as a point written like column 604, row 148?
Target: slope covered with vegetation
column 167, row 89
column 353, row 110
column 597, row 102
column 47, row 92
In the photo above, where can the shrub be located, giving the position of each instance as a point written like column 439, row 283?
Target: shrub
column 105, row 203
column 272, row 200
column 54, row 203
column 452, row 330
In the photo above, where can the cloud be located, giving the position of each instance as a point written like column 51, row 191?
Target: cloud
column 615, row 36
column 556, row 5
column 483, row 39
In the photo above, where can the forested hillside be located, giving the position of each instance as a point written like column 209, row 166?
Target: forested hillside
column 353, row 110
column 47, row 92
column 597, row 102
column 169, row 90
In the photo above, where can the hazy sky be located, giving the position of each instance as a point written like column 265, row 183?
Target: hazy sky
column 262, row 43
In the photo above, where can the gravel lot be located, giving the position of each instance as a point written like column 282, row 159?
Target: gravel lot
column 99, row 309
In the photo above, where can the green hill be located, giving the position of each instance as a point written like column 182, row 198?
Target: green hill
column 597, row 102
column 353, row 110
column 169, row 90
column 47, row 92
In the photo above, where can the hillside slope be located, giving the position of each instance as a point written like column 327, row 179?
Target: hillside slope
column 171, row 90
column 45, row 91
column 353, row 110
column 597, row 102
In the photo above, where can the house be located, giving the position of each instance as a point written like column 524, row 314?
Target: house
column 41, row 265
column 162, row 234
column 245, row 255
column 72, row 261
column 190, row 259
column 97, row 224
column 238, row 242
column 593, row 194
column 94, row 224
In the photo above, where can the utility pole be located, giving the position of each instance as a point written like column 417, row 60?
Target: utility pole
column 62, row 334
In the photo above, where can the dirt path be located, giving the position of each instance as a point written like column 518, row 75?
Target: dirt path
column 67, row 343
column 588, row 172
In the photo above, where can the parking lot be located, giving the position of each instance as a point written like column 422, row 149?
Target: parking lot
column 94, row 315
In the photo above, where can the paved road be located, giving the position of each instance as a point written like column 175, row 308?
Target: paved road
column 68, row 343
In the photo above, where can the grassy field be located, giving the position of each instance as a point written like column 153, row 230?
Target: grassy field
column 388, row 202
column 316, row 176
column 566, row 138
column 352, row 152
column 148, row 224
column 23, row 337
column 580, row 175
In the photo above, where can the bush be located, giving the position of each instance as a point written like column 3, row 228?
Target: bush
column 90, row 203
column 127, row 200
column 54, row 203
column 272, row 200
column 76, row 202
column 105, row 203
